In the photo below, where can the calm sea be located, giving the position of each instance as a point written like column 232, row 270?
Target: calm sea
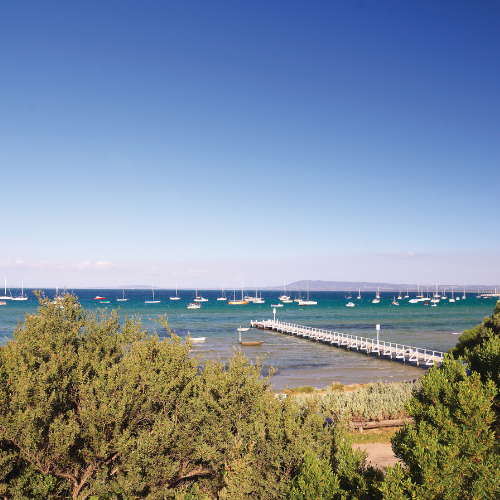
column 297, row 361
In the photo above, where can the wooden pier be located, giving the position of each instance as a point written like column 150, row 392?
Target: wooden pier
column 387, row 350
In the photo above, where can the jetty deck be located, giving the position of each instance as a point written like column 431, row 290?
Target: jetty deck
column 388, row 350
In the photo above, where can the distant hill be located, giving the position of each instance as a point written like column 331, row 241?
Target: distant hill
column 327, row 286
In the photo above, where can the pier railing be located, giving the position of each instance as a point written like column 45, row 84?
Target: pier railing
column 388, row 350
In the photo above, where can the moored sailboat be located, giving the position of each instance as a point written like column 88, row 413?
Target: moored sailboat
column 152, row 301
column 307, row 302
column 176, row 297
column 241, row 302
column 5, row 296
column 223, row 295
column 22, row 296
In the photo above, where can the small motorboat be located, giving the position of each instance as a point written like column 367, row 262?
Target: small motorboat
column 276, row 305
column 350, row 304
column 250, row 342
column 194, row 305
column 98, row 297
column 198, row 339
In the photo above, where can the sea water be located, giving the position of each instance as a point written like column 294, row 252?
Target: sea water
column 296, row 361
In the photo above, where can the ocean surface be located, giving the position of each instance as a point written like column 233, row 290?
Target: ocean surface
column 297, row 361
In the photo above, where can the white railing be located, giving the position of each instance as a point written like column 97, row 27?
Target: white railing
column 391, row 350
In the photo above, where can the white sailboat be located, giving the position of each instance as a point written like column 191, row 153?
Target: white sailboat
column 241, row 302
column 258, row 300
column 199, row 298
column 376, row 300
column 407, row 296
column 152, row 301
column 123, row 299
column 359, row 294
column 176, row 296
column 464, row 296
column 307, row 302
column 223, row 295
column 5, row 296
column 285, row 297
column 452, row 297
column 20, row 297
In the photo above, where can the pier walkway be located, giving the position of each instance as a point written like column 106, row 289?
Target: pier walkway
column 388, row 350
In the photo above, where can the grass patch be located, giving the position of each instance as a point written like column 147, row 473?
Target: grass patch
column 305, row 389
column 382, row 435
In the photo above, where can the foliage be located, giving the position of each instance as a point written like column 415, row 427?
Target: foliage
column 356, row 480
column 377, row 401
column 91, row 408
column 490, row 327
column 304, row 389
column 315, row 481
column 345, row 477
column 450, row 451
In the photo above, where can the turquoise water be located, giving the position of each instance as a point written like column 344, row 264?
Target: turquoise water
column 297, row 361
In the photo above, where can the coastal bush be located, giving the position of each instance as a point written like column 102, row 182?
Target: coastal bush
column 450, row 451
column 344, row 477
column 377, row 401
column 490, row 327
column 90, row 407
column 305, row 389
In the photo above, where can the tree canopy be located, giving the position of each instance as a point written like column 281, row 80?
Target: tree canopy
column 91, row 407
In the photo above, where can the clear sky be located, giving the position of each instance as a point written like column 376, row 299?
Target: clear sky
column 202, row 143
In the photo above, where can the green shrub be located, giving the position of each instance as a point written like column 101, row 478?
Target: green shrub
column 450, row 452
column 90, row 408
column 377, row 401
column 490, row 327
column 305, row 389
column 315, row 481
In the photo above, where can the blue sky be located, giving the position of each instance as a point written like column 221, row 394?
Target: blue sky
column 202, row 143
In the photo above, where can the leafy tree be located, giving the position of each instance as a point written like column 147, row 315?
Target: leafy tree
column 93, row 408
column 316, row 480
column 450, row 452
column 490, row 327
